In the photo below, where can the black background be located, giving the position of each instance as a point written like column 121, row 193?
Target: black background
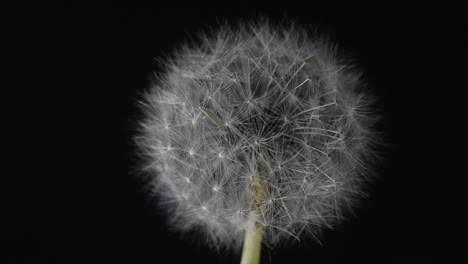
column 72, row 197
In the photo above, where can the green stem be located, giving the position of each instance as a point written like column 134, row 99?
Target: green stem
column 254, row 231
column 252, row 241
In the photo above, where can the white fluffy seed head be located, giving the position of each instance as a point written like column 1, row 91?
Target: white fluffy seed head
column 257, row 103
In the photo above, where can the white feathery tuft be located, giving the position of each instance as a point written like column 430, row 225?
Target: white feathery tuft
column 257, row 102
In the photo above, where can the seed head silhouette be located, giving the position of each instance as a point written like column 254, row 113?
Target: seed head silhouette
column 257, row 131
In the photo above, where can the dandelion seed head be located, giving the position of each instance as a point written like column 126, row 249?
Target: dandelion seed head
column 258, row 102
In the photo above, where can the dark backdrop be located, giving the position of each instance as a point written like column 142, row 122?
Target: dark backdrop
column 71, row 197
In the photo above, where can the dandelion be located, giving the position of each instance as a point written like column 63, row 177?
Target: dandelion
column 257, row 134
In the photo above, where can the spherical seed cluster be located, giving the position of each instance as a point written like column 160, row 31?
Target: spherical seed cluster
column 257, row 104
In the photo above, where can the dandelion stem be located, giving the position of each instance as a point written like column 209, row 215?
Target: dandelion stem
column 254, row 231
column 252, row 241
